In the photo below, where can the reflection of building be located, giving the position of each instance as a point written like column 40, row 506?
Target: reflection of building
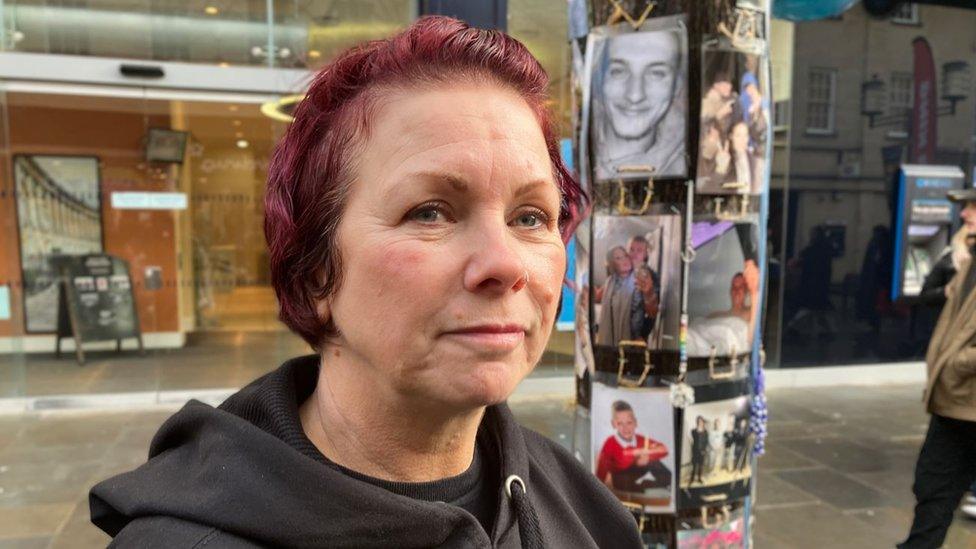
column 93, row 79
column 834, row 168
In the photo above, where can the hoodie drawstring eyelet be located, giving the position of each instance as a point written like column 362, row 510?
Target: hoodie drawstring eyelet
column 528, row 521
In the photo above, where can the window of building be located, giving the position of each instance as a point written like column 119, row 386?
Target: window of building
column 900, row 92
column 906, row 14
column 781, row 115
column 820, row 101
column 900, row 87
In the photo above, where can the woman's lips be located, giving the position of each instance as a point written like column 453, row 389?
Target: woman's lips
column 494, row 337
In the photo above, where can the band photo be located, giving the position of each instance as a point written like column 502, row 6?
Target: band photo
column 734, row 123
column 638, row 99
column 636, row 279
column 717, row 444
column 633, row 445
column 724, row 302
column 725, row 529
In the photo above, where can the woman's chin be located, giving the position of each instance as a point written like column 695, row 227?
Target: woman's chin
column 486, row 384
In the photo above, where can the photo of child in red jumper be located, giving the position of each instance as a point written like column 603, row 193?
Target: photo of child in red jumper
column 637, row 467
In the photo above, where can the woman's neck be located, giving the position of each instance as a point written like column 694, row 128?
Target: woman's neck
column 357, row 424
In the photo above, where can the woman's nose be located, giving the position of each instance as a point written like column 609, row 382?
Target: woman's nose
column 495, row 263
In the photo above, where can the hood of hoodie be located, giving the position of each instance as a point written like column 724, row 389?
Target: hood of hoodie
column 242, row 469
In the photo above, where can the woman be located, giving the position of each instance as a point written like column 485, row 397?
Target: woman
column 616, row 298
column 699, row 450
column 415, row 216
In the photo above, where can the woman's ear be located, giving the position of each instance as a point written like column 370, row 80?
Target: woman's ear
column 324, row 310
column 323, row 306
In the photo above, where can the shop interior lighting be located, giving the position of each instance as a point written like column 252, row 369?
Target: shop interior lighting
column 211, row 10
column 242, row 143
column 281, row 109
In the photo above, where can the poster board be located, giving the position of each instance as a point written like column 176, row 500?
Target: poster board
column 95, row 301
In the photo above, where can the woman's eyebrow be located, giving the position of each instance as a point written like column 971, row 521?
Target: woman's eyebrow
column 532, row 186
column 454, row 181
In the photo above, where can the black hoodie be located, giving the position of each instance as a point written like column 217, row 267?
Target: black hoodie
column 245, row 475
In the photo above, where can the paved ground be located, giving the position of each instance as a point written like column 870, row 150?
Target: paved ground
column 837, row 474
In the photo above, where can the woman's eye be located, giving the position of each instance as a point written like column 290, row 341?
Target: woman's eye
column 427, row 214
column 530, row 220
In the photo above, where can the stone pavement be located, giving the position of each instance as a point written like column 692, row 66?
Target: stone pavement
column 837, row 473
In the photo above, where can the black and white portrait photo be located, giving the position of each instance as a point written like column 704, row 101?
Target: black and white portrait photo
column 636, row 278
column 723, row 303
column 734, row 123
column 638, row 99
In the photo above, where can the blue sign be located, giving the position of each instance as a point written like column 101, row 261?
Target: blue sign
column 567, row 316
column 4, row 303
column 926, row 183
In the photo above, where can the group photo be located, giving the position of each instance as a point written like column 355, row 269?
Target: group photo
column 636, row 289
column 734, row 123
column 717, row 443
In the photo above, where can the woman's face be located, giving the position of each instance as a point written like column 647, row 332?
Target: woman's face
column 622, row 265
column 740, row 137
column 450, row 247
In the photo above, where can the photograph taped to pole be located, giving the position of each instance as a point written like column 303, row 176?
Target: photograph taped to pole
column 95, row 302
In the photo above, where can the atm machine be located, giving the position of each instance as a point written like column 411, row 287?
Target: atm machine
column 925, row 221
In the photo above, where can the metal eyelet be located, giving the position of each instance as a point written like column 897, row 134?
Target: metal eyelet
column 508, row 485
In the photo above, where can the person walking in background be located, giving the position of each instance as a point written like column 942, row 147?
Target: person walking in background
column 815, row 276
column 946, row 464
column 933, row 298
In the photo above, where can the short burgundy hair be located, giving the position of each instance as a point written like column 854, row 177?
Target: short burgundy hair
column 310, row 170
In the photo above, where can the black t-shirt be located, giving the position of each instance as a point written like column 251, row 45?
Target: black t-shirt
column 474, row 490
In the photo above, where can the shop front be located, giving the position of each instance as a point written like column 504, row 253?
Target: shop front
column 142, row 133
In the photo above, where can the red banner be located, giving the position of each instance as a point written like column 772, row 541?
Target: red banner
column 925, row 119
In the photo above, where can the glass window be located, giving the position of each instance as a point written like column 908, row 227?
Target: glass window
column 305, row 34
column 820, row 100
column 833, row 202
column 900, row 94
column 905, row 14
